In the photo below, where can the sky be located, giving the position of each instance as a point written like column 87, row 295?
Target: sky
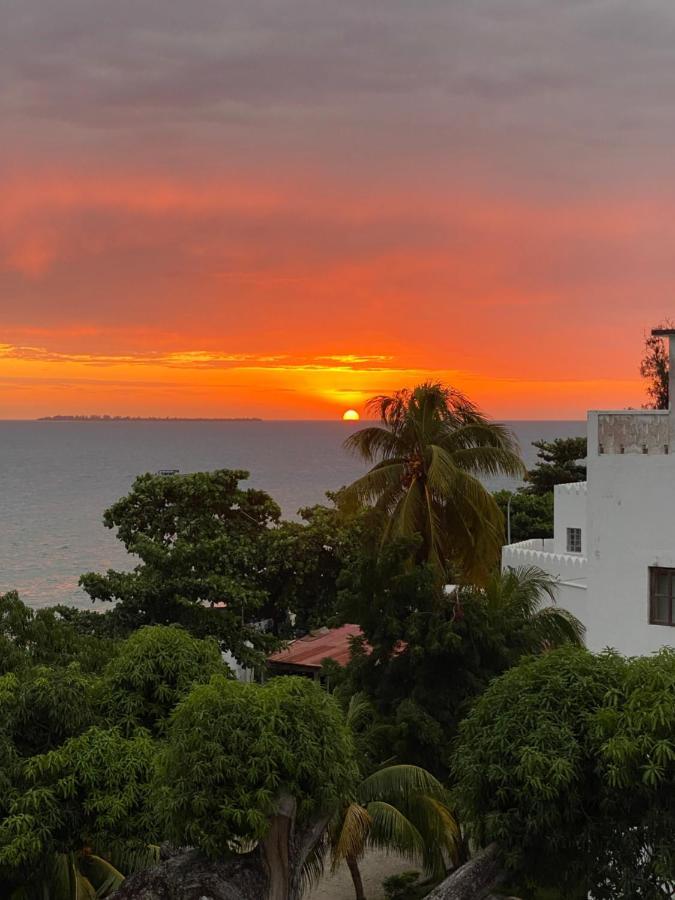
column 280, row 208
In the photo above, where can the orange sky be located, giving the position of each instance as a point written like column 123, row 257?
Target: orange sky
column 248, row 210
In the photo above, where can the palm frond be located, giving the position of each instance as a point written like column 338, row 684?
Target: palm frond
column 350, row 835
column 314, row 865
column 383, row 477
column 409, row 515
column 358, row 711
column 392, row 830
column 399, row 781
column 555, row 626
column 372, row 443
column 489, row 461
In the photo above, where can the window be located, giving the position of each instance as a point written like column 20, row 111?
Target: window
column 661, row 596
column 574, row 540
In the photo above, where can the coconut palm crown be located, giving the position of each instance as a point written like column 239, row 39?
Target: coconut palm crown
column 429, row 451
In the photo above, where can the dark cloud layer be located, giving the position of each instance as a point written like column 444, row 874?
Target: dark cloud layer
column 500, row 84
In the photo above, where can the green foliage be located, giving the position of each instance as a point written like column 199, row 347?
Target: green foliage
column 41, row 707
column 568, row 761
column 75, row 794
column 201, row 540
column 559, row 463
column 45, row 637
column 531, row 514
column 303, row 564
column 399, row 808
column 430, row 654
column 405, row 886
column 91, row 791
column 655, row 368
column 233, row 749
column 429, row 453
column 154, row 669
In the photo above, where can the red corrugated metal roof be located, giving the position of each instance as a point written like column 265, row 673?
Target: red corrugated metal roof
column 310, row 651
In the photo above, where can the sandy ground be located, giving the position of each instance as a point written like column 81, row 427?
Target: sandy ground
column 375, row 866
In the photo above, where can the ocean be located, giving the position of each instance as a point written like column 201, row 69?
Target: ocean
column 56, row 478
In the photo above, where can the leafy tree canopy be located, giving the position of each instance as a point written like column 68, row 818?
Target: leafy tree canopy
column 154, row 669
column 531, row 514
column 304, row 561
column 45, row 637
column 93, row 790
column 560, row 462
column 568, row 762
column 427, row 654
column 201, row 539
column 235, row 750
column 655, row 367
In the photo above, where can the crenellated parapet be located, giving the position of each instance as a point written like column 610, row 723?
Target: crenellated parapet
column 539, row 553
column 578, row 488
column 634, row 431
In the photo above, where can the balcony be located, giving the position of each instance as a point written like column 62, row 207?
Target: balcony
column 539, row 552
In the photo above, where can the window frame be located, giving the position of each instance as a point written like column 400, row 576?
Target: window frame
column 654, row 572
column 572, row 533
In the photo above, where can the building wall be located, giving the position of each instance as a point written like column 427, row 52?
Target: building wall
column 569, row 569
column 569, row 512
column 626, row 511
column 633, row 431
column 631, row 526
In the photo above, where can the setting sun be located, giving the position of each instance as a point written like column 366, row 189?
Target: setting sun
column 351, row 415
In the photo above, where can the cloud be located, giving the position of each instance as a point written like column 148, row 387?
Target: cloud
column 408, row 186
column 201, row 359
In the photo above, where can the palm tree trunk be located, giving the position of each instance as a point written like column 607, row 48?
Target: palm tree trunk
column 355, row 872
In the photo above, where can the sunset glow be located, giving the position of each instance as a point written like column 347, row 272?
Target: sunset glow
column 350, row 415
column 276, row 213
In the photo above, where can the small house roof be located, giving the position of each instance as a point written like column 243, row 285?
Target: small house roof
column 309, row 652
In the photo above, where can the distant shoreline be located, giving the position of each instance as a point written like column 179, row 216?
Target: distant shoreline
column 145, row 419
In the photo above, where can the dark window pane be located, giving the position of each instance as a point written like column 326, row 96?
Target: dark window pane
column 661, row 609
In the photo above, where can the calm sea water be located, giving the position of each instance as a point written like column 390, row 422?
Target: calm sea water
column 56, row 478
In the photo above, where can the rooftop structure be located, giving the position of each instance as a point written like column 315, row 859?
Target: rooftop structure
column 305, row 655
column 613, row 550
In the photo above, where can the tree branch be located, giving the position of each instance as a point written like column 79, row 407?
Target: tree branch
column 475, row 880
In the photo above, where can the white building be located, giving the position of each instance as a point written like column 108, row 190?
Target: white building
column 614, row 546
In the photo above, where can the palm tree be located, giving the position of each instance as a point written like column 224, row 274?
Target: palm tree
column 398, row 808
column 521, row 594
column 82, row 875
column 429, row 451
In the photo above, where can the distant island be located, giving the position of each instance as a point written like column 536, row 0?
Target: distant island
column 145, row 419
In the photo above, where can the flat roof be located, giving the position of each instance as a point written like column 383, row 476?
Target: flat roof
column 310, row 651
column 663, row 332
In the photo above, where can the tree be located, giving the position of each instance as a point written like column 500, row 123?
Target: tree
column 566, row 764
column 75, row 810
column 655, row 368
column 45, row 637
column 303, row 563
column 249, row 766
column 201, row 540
column 427, row 654
column 531, row 514
column 155, row 668
column 91, row 792
column 394, row 807
column 559, row 463
column 429, row 451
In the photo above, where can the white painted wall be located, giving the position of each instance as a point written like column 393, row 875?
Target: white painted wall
column 626, row 511
column 569, row 512
column 631, row 526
